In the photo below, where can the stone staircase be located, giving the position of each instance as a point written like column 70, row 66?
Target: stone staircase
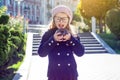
column 36, row 43
column 90, row 43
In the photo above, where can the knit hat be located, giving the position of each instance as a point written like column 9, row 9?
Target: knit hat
column 62, row 8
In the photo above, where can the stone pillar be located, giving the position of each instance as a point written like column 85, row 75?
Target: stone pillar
column 93, row 24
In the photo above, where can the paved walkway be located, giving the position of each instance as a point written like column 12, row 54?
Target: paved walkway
column 90, row 67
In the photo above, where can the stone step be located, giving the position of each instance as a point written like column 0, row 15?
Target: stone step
column 39, row 37
column 35, row 47
column 94, row 48
column 96, row 51
column 82, row 40
column 87, row 37
column 34, row 30
column 36, row 36
column 86, row 44
column 85, row 34
column 86, row 49
column 38, row 42
column 35, row 39
column 91, row 42
column 34, row 44
column 92, row 45
column 34, row 52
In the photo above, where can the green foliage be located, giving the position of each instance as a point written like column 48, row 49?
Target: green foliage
column 86, row 29
column 4, row 47
column 16, row 33
column 3, row 9
column 77, row 15
column 4, row 19
column 16, row 23
column 12, row 43
column 96, row 8
column 11, row 52
column 15, row 40
column 12, row 48
column 113, row 21
column 110, row 39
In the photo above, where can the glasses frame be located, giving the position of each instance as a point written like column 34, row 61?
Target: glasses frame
column 63, row 19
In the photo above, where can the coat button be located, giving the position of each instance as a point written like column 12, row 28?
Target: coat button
column 68, row 54
column 52, row 41
column 49, row 44
column 58, row 54
column 73, row 44
column 67, row 44
column 58, row 44
column 58, row 64
column 69, row 64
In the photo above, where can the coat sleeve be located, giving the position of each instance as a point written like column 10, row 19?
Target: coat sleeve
column 77, row 47
column 46, row 45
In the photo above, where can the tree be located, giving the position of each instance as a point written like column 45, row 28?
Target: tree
column 77, row 15
column 112, row 20
column 96, row 8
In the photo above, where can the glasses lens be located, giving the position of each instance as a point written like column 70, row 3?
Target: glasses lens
column 63, row 19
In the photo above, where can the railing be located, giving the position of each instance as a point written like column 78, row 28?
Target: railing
column 33, row 28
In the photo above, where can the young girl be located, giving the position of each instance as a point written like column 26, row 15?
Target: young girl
column 60, row 45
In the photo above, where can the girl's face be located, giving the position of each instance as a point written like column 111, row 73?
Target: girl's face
column 61, row 20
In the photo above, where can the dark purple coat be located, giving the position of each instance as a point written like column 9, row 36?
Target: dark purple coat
column 60, row 54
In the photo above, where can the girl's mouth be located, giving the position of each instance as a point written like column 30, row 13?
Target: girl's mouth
column 61, row 25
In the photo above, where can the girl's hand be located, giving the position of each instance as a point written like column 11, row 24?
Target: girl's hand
column 58, row 37
column 67, row 37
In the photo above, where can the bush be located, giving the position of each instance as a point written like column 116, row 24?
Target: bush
column 12, row 44
column 112, row 20
column 4, row 47
column 4, row 19
column 86, row 29
column 12, row 48
column 16, row 41
column 111, row 40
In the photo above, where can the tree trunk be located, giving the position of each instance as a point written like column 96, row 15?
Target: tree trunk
column 100, row 25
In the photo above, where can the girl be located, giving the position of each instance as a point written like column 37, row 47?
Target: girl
column 60, row 44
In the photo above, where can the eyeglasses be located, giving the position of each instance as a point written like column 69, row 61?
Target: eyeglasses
column 59, row 19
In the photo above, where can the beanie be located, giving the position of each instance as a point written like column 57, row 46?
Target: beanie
column 62, row 8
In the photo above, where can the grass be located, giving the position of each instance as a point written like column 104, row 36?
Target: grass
column 111, row 40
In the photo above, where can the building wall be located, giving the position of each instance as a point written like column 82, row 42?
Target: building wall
column 37, row 11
